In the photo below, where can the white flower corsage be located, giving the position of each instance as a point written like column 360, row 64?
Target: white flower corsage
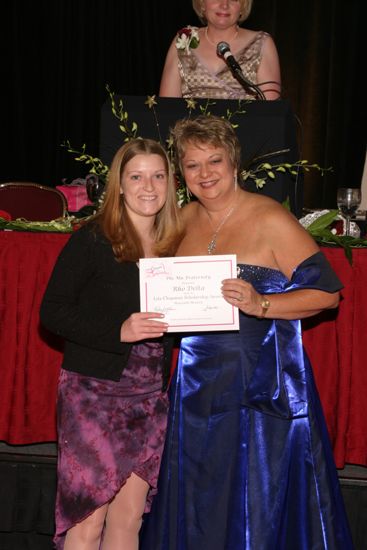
column 187, row 38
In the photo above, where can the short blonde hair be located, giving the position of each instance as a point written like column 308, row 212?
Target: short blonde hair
column 206, row 129
column 246, row 6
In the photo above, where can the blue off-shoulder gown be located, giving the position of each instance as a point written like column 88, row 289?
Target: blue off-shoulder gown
column 247, row 463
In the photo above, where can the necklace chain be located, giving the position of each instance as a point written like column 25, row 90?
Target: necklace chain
column 213, row 242
column 212, row 43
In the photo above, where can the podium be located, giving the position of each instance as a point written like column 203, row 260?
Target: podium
column 265, row 129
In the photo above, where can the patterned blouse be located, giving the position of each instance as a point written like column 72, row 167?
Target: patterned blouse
column 197, row 81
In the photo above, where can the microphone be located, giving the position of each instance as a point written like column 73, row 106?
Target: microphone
column 224, row 51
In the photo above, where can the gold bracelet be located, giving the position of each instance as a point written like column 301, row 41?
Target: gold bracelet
column 265, row 304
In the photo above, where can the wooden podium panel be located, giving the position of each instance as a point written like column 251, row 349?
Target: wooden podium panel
column 263, row 127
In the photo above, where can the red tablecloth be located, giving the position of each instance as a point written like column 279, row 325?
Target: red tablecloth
column 30, row 357
column 336, row 342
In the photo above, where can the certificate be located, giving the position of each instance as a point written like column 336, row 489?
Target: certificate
column 187, row 290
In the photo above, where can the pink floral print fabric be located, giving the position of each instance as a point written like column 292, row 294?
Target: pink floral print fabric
column 106, row 431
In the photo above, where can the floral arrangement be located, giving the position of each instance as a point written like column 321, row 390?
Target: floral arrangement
column 324, row 227
column 5, row 215
column 263, row 171
column 187, row 38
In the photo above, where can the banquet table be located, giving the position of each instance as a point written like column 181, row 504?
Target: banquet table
column 336, row 343
column 31, row 357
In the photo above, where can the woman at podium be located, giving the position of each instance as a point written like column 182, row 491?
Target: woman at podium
column 221, row 60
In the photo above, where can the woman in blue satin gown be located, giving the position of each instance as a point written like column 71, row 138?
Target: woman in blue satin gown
column 247, row 462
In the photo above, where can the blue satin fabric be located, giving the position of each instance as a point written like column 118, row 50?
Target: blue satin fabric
column 247, row 462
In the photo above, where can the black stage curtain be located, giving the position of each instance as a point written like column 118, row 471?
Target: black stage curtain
column 27, row 503
column 59, row 55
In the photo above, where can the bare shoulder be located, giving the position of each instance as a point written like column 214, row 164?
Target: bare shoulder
column 263, row 212
column 290, row 242
column 172, row 50
column 280, row 233
column 277, row 220
column 246, row 36
column 248, row 33
column 269, row 45
column 261, row 205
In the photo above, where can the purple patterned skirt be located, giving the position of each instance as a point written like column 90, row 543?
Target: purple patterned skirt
column 106, row 431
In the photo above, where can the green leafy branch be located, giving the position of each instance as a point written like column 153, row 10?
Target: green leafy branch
column 191, row 105
column 151, row 102
column 122, row 116
column 204, row 109
column 265, row 170
column 239, row 111
column 95, row 164
column 61, row 225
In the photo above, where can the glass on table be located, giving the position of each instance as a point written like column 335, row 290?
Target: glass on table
column 348, row 200
column 94, row 186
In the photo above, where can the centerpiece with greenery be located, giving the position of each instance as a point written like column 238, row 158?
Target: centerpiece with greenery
column 261, row 171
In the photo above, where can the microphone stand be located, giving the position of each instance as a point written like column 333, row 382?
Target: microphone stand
column 246, row 84
column 224, row 51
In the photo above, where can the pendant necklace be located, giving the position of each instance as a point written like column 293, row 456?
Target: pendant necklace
column 213, row 242
column 212, row 43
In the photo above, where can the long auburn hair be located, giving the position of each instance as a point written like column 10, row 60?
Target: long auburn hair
column 113, row 217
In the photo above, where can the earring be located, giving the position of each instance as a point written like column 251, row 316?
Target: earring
column 235, row 181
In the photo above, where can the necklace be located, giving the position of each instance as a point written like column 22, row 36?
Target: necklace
column 213, row 242
column 212, row 43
